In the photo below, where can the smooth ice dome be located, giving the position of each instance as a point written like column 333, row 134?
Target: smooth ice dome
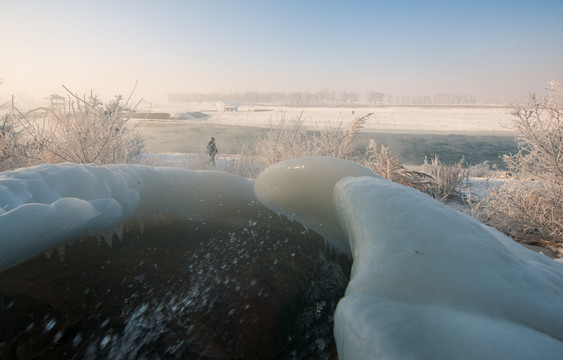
column 302, row 189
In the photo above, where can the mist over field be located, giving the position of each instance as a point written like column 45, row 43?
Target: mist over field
column 411, row 52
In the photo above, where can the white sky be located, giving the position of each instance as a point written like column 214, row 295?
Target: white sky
column 400, row 47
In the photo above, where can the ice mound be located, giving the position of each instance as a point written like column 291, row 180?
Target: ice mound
column 302, row 189
column 428, row 282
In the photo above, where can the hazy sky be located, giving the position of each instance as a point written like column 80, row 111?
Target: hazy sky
column 488, row 47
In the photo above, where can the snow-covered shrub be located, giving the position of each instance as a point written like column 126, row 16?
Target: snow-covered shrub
column 531, row 203
column 388, row 166
column 11, row 145
column 84, row 130
column 480, row 170
column 16, row 149
column 446, row 179
column 436, row 179
column 287, row 138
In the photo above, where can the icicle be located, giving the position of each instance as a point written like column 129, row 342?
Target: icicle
column 119, row 231
column 61, row 250
column 108, row 238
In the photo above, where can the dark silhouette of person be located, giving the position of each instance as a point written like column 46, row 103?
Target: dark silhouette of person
column 212, row 150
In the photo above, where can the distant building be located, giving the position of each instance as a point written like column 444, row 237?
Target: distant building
column 228, row 106
column 55, row 100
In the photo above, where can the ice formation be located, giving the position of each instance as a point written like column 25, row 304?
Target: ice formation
column 302, row 189
column 427, row 282
column 45, row 207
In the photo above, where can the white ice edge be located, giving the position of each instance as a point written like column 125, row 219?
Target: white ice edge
column 47, row 206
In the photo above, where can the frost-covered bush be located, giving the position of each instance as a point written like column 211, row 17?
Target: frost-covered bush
column 16, row 149
column 12, row 147
column 531, row 202
column 287, row 138
column 84, row 130
column 446, row 179
column 440, row 181
column 480, row 170
column 382, row 162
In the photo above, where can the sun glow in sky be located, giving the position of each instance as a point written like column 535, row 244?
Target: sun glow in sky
column 486, row 48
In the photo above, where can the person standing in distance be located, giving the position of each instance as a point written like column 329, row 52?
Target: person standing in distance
column 212, row 150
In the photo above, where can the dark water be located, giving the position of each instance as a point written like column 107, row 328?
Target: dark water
column 411, row 149
column 263, row 288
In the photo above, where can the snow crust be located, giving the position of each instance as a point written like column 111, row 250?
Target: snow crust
column 426, row 282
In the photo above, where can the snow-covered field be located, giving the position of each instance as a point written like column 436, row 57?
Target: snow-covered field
column 428, row 119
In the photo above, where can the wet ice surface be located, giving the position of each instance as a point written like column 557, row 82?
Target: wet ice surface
column 257, row 288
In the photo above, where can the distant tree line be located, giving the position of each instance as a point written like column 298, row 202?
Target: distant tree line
column 321, row 97
column 326, row 97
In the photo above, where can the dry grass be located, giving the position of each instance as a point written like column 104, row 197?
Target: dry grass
column 388, row 166
column 440, row 181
